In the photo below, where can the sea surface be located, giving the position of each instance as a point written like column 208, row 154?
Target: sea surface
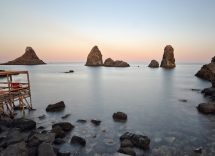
column 150, row 97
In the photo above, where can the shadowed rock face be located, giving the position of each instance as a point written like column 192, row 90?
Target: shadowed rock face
column 94, row 58
column 111, row 63
column 207, row 71
column 154, row 64
column 28, row 58
column 168, row 60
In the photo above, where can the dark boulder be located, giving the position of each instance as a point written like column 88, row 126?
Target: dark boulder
column 66, row 126
column 120, row 116
column 137, row 140
column 18, row 149
column 23, row 124
column 168, row 60
column 154, row 64
column 59, row 133
column 96, row 122
column 55, row 107
column 78, row 140
column 206, row 108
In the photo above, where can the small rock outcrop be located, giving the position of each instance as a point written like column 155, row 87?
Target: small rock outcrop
column 120, row 116
column 28, row 58
column 154, row 64
column 206, row 108
column 111, row 63
column 168, row 60
column 55, row 107
column 96, row 122
column 94, row 57
column 207, row 71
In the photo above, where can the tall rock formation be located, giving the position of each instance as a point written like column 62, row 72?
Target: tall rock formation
column 28, row 58
column 207, row 71
column 168, row 60
column 94, row 57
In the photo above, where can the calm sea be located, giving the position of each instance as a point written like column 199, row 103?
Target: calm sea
column 150, row 97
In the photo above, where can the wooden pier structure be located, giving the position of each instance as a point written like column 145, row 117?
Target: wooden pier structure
column 13, row 93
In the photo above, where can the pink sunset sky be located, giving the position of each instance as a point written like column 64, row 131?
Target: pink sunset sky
column 65, row 31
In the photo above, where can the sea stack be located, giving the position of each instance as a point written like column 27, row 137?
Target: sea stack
column 154, row 64
column 111, row 63
column 168, row 60
column 207, row 71
column 28, row 58
column 94, row 57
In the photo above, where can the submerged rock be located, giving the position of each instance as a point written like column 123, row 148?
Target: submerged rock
column 96, row 122
column 94, row 57
column 55, row 107
column 78, row 140
column 168, row 60
column 70, row 71
column 206, row 108
column 28, row 58
column 139, row 141
column 24, row 124
column 66, row 116
column 207, row 71
column 111, row 63
column 120, row 116
column 154, row 64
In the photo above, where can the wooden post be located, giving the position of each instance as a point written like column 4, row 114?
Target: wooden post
column 29, row 87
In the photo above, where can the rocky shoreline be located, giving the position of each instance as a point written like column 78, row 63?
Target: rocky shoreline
column 23, row 136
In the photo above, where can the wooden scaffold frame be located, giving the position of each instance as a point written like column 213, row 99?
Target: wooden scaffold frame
column 14, row 94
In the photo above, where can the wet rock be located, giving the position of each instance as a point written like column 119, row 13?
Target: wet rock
column 42, row 137
column 23, row 124
column 96, row 122
column 28, row 58
column 198, row 150
column 182, row 100
column 168, row 60
column 111, row 63
column 59, row 133
column 58, row 141
column 66, row 126
column 154, row 64
column 120, row 116
column 206, row 108
column 66, row 116
column 18, row 149
column 94, row 58
column 196, row 90
column 81, row 121
column 128, row 151
column 55, row 107
column 139, row 141
column 63, row 153
column 207, row 71
column 45, row 149
column 70, row 71
column 209, row 92
column 42, row 117
column 15, row 136
column 78, row 140
column 126, row 143
column 41, row 128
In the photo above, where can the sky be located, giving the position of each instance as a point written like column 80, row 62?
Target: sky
column 130, row 30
